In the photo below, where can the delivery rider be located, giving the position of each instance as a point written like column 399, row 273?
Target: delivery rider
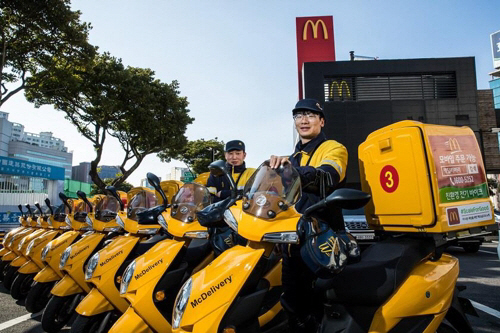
column 235, row 164
column 316, row 160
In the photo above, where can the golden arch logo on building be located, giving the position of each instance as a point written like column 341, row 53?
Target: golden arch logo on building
column 339, row 88
column 314, row 27
column 453, row 145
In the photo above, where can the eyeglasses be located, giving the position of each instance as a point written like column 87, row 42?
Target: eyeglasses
column 308, row 114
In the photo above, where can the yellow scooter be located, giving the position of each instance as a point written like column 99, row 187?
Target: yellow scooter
column 8, row 238
column 98, row 311
column 151, row 281
column 11, row 271
column 39, row 294
column 22, row 283
column 69, row 291
column 239, row 291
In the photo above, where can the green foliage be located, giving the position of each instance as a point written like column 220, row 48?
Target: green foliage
column 198, row 154
column 124, row 186
column 35, row 38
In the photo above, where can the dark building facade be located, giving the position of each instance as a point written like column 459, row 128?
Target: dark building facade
column 362, row 96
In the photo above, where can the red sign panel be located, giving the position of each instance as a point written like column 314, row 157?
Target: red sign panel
column 315, row 42
column 389, row 178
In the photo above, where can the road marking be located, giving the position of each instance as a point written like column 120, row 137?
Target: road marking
column 486, row 309
column 18, row 320
column 487, row 252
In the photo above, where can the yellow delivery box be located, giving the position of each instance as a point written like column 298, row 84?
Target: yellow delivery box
column 425, row 178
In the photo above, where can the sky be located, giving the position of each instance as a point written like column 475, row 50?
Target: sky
column 236, row 61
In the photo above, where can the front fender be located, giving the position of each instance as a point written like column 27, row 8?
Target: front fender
column 47, row 274
column 29, row 268
column 9, row 256
column 3, row 251
column 19, row 261
column 93, row 304
column 130, row 322
column 66, row 287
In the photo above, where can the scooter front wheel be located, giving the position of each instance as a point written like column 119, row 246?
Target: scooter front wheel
column 3, row 264
column 10, row 273
column 58, row 312
column 21, row 285
column 38, row 296
column 84, row 324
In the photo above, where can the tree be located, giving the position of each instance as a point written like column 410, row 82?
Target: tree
column 36, row 36
column 124, row 186
column 198, row 154
column 146, row 115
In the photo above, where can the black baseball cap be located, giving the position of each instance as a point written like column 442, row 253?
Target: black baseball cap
column 309, row 104
column 235, row 145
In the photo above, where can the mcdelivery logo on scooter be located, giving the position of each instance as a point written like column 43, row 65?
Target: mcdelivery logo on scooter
column 111, row 258
column 211, row 291
column 145, row 270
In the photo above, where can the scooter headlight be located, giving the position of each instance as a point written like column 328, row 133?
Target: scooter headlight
column 20, row 219
column 197, row 234
column 88, row 220
column 45, row 251
column 64, row 257
column 119, row 221
column 162, row 222
column 230, row 220
column 21, row 243
column 49, row 221
column 30, row 247
column 127, row 277
column 11, row 241
column 181, row 302
column 91, row 266
column 147, row 231
column 68, row 221
column 281, row 237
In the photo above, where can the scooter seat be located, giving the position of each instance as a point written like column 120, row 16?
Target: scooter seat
column 382, row 269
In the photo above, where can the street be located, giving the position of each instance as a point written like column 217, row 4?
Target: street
column 479, row 272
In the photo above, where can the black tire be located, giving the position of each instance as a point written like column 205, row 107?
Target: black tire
column 10, row 273
column 3, row 264
column 38, row 296
column 84, row 324
column 58, row 312
column 471, row 247
column 21, row 285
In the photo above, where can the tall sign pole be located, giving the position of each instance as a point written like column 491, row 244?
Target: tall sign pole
column 315, row 43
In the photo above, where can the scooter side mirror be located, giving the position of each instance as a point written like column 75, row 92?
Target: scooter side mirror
column 37, row 205
column 83, row 196
column 155, row 182
column 344, row 198
column 64, row 199
column 47, row 202
column 218, row 168
column 29, row 209
column 21, row 209
column 114, row 193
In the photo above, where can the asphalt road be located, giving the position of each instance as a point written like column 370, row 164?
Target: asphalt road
column 479, row 272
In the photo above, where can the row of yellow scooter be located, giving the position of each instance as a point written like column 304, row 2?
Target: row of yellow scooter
column 173, row 262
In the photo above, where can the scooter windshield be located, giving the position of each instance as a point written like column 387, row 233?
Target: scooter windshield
column 141, row 201
column 106, row 208
column 271, row 191
column 190, row 199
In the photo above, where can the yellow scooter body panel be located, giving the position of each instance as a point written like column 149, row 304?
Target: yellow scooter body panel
column 9, row 235
column 57, row 247
column 27, row 239
column 130, row 322
column 93, row 304
column 3, row 251
column 9, row 256
column 149, row 269
column 66, row 287
column 80, row 251
column 178, row 228
column 19, row 261
column 39, row 243
column 110, row 259
column 430, row 288
column 29, row 268
column 17, row 238
column 47, row 274
column 216, row 286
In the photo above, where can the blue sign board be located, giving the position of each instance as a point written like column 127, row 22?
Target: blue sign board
column 12, row 166
column 495, row 48
column 9, row 217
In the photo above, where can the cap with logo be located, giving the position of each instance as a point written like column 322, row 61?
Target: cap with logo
column 308, row 104
column 235, row 145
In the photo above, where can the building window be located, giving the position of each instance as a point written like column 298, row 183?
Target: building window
column 390, row 87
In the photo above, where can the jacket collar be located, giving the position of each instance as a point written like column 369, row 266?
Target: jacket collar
column 236, row 169
column 310, row 146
